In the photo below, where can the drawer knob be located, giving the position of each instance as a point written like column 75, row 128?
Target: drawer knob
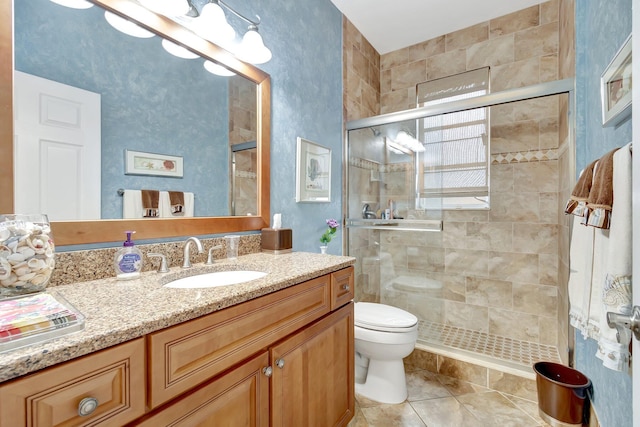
column 345, row 287
column 280, row 363
column 87, row 406
column 267, row 371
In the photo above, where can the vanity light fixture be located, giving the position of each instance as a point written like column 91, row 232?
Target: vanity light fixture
column 167, row 7
column 74, row 4
column 217, row 69
column 212, row 24
column 252, row 48
column 177, row 50
column 127, row 27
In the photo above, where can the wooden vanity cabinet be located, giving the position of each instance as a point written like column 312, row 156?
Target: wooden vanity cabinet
column 108, row 387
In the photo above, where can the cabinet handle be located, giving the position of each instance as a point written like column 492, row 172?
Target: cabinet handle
column 87, row 406
column 280, row 363
column 267, row 371
column 345, row 287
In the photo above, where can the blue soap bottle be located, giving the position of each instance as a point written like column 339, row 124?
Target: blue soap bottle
column 128, row 260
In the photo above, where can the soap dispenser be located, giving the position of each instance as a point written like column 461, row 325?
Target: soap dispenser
column 128, row 260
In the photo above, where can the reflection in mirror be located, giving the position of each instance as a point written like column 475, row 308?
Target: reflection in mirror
column 109, row 230
column 149, row 101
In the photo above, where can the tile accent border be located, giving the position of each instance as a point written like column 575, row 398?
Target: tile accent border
column 524, row 156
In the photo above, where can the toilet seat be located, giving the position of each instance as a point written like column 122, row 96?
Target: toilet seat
column 381, row 317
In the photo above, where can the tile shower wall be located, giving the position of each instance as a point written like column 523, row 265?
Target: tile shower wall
column 501, row 266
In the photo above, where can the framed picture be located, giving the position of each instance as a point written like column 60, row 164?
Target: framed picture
column 313, row 172
column 615, row 86
column 141, row 163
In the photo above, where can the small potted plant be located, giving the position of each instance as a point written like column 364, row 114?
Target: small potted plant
column 326, row 237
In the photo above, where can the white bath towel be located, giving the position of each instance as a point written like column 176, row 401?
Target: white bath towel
column 165, row 205
column 616, row 288
column 132, row 204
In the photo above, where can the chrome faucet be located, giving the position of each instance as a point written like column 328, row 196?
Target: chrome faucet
column 187, row 259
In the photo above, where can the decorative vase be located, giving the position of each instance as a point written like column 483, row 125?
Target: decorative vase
column 26, row 254
column 323, row 249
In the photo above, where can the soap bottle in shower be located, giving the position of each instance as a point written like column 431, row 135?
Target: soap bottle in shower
column 128, row 260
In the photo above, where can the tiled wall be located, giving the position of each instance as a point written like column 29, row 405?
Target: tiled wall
column 501, row 267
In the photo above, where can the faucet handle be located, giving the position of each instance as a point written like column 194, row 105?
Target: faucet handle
column 210, row 257
column 163, row 261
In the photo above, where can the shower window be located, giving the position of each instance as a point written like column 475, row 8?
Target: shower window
column 456, row 146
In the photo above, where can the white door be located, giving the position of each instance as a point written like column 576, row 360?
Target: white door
column 56, row 149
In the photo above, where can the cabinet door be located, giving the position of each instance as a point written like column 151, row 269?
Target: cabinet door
column 239, row 398
column 313, row 377
column 104, row 388
column 341, row 287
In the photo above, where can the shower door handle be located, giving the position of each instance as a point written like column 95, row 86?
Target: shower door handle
column 624, row 323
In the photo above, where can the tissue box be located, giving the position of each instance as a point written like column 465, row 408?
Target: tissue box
column 276, row 241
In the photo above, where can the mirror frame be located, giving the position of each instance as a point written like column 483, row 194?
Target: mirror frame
column 111, row 230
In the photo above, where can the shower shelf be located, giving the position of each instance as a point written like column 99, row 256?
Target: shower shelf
column 396, row 224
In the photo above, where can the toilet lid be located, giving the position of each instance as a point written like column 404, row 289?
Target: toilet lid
column 380, row 316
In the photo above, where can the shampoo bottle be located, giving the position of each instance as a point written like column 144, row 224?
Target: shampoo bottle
column 128, row 260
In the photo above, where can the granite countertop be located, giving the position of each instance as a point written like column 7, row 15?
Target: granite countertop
column 118, row 311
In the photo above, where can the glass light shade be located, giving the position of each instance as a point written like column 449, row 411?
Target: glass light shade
column 177, row 50
column 74, row 4
column 167, row 7
column 212, row 24
column 252, row 48
column 126, row 26
column 217, row 69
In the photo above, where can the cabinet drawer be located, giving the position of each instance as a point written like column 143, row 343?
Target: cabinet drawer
column 114, row 377
column 341, row 287
column 186, row 355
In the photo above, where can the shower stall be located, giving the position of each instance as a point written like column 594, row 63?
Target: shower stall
column 453, row 211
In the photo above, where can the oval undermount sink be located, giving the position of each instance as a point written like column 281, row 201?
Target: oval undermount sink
column 217, row 278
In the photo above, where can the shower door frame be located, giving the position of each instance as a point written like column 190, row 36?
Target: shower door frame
column 541, row 90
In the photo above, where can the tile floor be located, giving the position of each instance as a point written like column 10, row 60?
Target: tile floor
column 438, row 401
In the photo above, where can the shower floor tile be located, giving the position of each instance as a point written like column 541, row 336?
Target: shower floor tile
column 520, row 352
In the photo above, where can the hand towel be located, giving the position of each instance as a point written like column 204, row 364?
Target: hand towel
column 150, row 203
column 601, row 195
column 578, row 201
column 176, row 200
column 132, row 204
column 617, row 287
column 166, row 209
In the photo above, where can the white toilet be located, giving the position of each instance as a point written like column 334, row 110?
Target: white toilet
column 384, row 335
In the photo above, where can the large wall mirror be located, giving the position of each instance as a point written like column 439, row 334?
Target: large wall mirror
column 151, row 102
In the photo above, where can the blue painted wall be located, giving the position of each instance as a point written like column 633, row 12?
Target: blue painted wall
column 151, row 101
column 601, row 28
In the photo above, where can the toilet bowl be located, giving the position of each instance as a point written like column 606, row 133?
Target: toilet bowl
column 384, row 335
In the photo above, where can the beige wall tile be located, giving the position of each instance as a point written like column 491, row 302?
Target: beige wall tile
column 446, row 64
column 501, row 177
column 549, row 68
column 427, row 48
column 467, row 316
column 538, row 177
column 489, row 236
column 492, row 53
column 516, row 21
column 466, row 262
column 385, row 81
column 420, row 359
column 513, row 266
column 566, row 54
column 463, row 371
column 548, row 269
column 454, row 234
column 404, row 76
column 428, row 309
column 512, row 384
column 489, row 293
column 514, row 207
column 515, row 136
column 501, row 322
column 549, row 11
column 535, row 238
column 515, row 74
column 424, row 258
column 467, row 36
column 461, row 215
column 549, row 132
column 394, row 59
column 535, row 299
column 548, row 209
column 536, row 41
column 549, row 329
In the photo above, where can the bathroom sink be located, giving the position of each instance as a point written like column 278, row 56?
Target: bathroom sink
column 217, row 278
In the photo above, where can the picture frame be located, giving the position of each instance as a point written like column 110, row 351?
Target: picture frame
column 616, row 85
column 154, row 164
column 313, row 172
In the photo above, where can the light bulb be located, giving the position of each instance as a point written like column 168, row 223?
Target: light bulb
column 252, row 48
column 217, row 69
column 212, row 24
column 167, row 7
column 127, row 27
column 177, row 50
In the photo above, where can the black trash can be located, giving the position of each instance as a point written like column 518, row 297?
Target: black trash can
column 562, row 394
